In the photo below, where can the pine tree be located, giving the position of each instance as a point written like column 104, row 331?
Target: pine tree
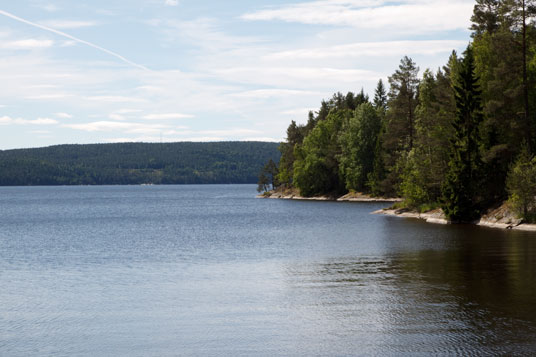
column 485, row 17
column 460, row 194
column 403, row 102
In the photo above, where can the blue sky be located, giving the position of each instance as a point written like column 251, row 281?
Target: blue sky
column 183, row 70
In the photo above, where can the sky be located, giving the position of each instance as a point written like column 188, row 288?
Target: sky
column 76, row 72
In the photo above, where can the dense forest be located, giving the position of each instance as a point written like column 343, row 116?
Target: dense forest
column 137, row 163
column 460, row 137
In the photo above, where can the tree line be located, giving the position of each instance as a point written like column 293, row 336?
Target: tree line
column 460, row 137
column 136, row 163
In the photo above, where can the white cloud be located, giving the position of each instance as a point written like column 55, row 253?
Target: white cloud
column 49, row 96
column 113, row 98
column 166, row 116
column 262, row 138
column 49, row 7
column 110, row 126
column 229, row 132
column 68, row 24
column 128, row 111
column 305, row 76
column 271, row 93
column 43, row 121
column 28, row 44
column 372, row 49
column 408, row 16
column 116, row 116
column 172, row 2
column 63, row 115
column 6, row 120
column 123, row 114
column 297, row 112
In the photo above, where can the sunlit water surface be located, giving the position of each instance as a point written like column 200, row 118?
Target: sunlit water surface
column 210, row 270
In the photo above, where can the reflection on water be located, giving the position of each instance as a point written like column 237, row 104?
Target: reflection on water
column 209, row 270
column 405, row 304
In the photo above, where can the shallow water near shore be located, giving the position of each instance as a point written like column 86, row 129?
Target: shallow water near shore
column 210, row 270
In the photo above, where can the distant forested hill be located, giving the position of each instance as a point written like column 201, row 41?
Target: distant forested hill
column 137, row 163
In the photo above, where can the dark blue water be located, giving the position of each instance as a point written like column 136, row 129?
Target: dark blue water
column 210, row 270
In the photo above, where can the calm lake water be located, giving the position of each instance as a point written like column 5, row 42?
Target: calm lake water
column 210, row 270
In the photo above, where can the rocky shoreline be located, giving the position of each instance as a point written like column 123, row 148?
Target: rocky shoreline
column 500, row 217
column 291, row 194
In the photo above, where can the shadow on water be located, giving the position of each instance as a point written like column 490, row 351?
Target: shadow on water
column 469, row 291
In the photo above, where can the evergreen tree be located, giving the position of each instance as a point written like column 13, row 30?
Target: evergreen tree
column 519, row 13
column 295, row 136
column 263, row 183
column 380, row 97
column 460, row 193
column 399, row 135
column 403, row 101
column 485, row 17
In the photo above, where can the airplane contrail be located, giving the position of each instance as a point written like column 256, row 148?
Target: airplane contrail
column 63, row 34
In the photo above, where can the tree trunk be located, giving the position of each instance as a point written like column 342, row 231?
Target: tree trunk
column 528, row 125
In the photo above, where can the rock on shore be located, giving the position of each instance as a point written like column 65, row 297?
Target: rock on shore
column 293, row 194
column 500, row 217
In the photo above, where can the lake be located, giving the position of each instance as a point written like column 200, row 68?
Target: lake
column 211, row 270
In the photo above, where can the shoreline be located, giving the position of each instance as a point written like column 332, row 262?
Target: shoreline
column 500, row 217
column 488, row 220
column 349, row 197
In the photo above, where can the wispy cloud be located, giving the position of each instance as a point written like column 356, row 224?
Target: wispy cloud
column 167, row 116
column 271, row 93
column 68, row 24
column 303, row 112
column 27, row 44
column 49, row 96
column 409, row 16
column 111, row 126
column 371, row 49
column 63, row 115
column 305, row 76
column 63, row 34
column 172, row 2
column 48, row 7
column 114, row 99
column 6, row 120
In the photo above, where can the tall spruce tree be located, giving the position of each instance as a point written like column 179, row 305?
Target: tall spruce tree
column 460, row 193
column 380, row 97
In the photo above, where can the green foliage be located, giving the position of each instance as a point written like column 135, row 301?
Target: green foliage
column 136, row 163
column 358, row 141
column 413, row 186
column 426, row 165
column 399, row 135
column 380, row 97
column 460, row 193
column 521, row 185
column 263, row 183
column 402, row 104
column 316, row 166
column 268, row 177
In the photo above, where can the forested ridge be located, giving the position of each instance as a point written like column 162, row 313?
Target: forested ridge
column 460, row 137
column 136, row 163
